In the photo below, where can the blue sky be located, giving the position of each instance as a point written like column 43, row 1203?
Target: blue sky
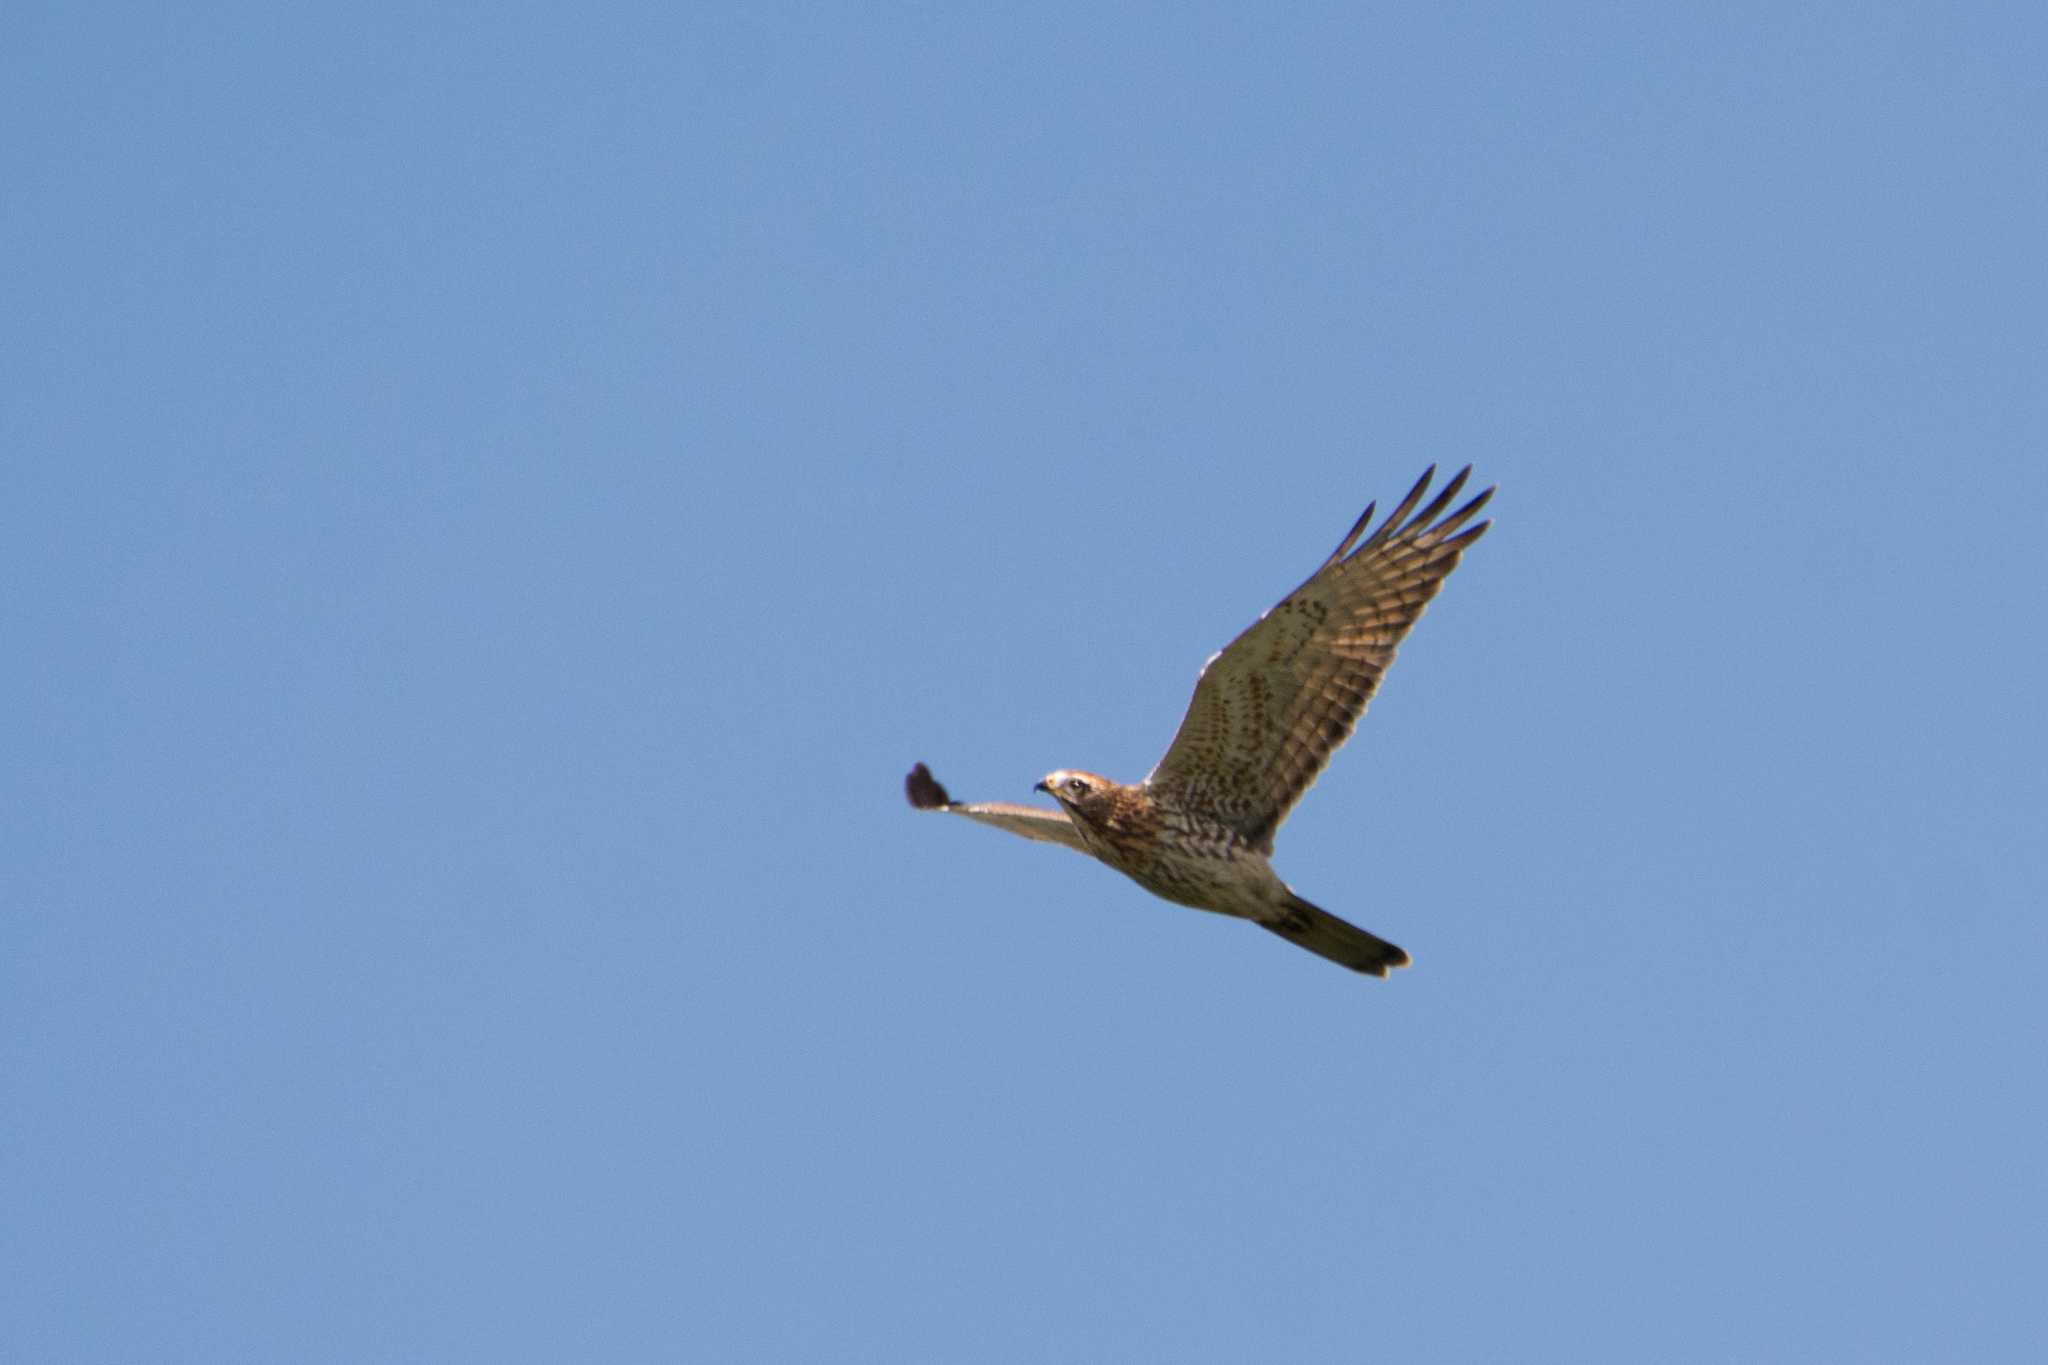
column 495, row 500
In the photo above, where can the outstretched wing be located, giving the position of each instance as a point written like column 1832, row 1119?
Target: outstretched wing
column 1271, row 708
column 1033, row 822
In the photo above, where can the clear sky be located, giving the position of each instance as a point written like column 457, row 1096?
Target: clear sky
column 495, row 499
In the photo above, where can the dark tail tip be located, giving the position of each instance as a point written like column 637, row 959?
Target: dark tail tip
column 1344, row 943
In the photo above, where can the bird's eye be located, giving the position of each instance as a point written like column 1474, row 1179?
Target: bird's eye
column 1076, row 785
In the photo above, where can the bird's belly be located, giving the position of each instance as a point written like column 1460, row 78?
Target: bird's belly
column 1189, row 860
column 1228, row 882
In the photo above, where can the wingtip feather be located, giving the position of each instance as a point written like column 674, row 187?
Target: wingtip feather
column 1351, row 537
column 1397, row 520
column 1442, row 531
column 924, row 790
column 1442, row 499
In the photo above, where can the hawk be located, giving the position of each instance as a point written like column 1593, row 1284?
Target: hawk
column 1268, row 711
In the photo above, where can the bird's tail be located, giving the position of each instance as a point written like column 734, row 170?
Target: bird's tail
column 1323, row 933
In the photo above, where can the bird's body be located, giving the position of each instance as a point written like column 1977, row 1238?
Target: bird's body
column 1268, row 711
column 1177, row 854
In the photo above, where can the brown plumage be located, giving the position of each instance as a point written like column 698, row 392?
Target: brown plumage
column 1268, row 711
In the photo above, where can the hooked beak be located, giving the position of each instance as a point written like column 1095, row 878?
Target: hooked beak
column 1039, row 786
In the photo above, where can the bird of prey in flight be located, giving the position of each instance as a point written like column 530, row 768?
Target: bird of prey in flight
column 1268, row 712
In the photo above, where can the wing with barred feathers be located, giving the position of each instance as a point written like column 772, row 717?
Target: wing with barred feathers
column 1271, row 708
column 1033, row 822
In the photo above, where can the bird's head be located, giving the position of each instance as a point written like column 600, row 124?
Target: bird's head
column 1074, row 789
